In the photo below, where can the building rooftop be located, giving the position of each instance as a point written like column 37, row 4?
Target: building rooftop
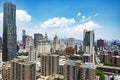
column 62, row 61
column 86, row 54
column 70, row 62
column 88, row 65
column 116, row 56
column 22, row 61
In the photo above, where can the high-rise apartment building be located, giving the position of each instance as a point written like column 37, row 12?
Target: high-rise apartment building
column 9, row 31
column 87, row 71
column 49, row 64
column 37, row 37
column 23, row 70
column 6, row 71
column 71, row 70
column 74, row 70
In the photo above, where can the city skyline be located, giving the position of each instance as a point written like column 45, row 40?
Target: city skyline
column 66, row 18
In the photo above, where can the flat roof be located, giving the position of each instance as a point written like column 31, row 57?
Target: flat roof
column 88, row 65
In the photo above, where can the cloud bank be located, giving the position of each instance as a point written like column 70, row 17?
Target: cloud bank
column 62, row 26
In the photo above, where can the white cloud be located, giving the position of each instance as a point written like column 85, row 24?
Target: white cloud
column 78, row 14
column 22, row 18
column 76, row 31
column 87, row 25
column 96, row 15
column 62, row 26
column 83, row 17
column 57, row 22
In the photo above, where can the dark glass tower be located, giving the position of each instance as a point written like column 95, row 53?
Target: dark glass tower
column 9, row 32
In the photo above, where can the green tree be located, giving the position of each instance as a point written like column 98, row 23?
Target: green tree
column 57, row 79
column 80, row 52
column 101, row 74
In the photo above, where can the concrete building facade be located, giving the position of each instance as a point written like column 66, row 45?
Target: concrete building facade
column 23, row 70
column 49, row 64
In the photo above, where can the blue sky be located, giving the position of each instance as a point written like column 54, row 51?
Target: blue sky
column 67, row 18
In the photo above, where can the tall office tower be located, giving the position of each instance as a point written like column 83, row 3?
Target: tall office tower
column 49, row 64
column 23, row 70
column 37, row 37
column 6, row 71
column 9, row 32
column 100, row 44
column 56, row 44
column 88, row 42
column 71, row 42
column 87, row 71
column 29, row 43
column 44, row 45
column 24, row 36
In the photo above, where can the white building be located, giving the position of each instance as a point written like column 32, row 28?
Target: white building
column 33, row 55
column 44, row 46
column 29, row 43
column 71, row 42
column 0, row 55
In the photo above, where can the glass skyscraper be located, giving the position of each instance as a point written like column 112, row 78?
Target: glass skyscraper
column 9, row 32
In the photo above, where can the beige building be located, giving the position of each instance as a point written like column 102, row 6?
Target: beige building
column 23, row 70
column 87, row 71
column 76, row 71
column 6, row 71
column 87, row 57
column 71, row 70
column 56, row 44
column 49, row 64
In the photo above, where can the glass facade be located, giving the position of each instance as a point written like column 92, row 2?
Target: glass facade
column 9, row 32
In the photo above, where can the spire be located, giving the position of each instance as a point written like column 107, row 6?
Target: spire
column 56, row 37
column 46, row 37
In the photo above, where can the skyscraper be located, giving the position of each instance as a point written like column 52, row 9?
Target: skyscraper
column 37, row 38
column 88, row 41
column 9, row 32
